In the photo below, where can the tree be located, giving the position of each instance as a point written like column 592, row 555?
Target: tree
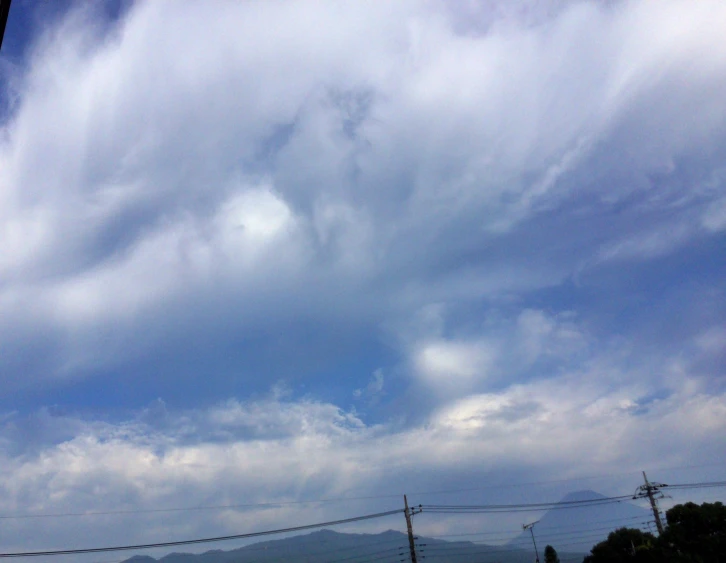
column 551, row 555
column 695, row 533
column 624, row 545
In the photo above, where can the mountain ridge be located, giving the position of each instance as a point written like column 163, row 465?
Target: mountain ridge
column 563, row 529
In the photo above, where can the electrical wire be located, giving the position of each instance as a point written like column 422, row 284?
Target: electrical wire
column 474, row 546
column 441, row 509
column 563, row 535
column 340, row 499
column 526, row 539
column 539, row 528
column 552, row 481
column 187, row 508
column 498, row 549
column 455, row 551
column 530, row 505
column 381, row 558
column 396, row 549
column 317, row 553
column 562, row 539
column 706, row 485
column 200, row 540
column 482, row 553
column 511, row 510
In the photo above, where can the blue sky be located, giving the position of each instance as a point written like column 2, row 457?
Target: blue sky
column 266, row 252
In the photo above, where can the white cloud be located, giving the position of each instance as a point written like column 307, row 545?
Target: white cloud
column 712, row 340
column 237, row 171
column 453, row 363
column 541, row 334
column 373, row 391
column 365, row 148
column 273, row 451
column 499, row 352
column 715, row 217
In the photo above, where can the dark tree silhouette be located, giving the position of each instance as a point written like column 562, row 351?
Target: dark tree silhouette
column 622, row 546
column 550, row 555
column 695, row 533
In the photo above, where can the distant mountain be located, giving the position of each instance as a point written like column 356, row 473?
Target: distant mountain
column 327, row 546
column 578, row 529
column 571, row 532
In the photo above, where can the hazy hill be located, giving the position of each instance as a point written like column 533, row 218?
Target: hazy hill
column 571, row 532
column 327, row 546
column 578, row 529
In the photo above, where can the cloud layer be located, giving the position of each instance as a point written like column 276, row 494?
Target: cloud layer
column 372, row 162
column 456, row 240
column 280, row 453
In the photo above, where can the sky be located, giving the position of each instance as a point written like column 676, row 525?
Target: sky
column 278, row 252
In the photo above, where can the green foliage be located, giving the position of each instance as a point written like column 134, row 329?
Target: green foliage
column 695, row 534
column 550, row 555
column 623, row 545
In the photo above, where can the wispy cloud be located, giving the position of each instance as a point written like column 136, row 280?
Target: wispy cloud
column 498, row 227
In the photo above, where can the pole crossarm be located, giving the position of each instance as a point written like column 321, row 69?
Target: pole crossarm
column 653, row 492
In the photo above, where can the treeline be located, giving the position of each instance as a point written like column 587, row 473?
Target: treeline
column 694, row 534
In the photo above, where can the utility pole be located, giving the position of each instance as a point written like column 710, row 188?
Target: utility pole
column 409, row 514
column 649, row 490
column 530, row 527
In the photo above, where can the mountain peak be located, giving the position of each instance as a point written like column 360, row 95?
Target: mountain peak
column 556, row 523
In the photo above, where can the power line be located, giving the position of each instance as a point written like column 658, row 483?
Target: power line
column 561, row 538
column 316, row 553
column 398, row 541
column 568, row 480
column 584, row 536
column 453, row 552
column 527, row 505
column 497, row 550
column 200, row 540
column 569, row 532
column 493, row 508
column 520, row 545
column 705, row 485
column 395, row 549
column 380, row 558
column 588, row 531
column 539, row 528
column 346, row 499
column 441, row 509
column 187, row 508
column 438, row 547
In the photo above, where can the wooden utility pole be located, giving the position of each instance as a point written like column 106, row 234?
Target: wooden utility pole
column 650, row 489
column 411, row 544
column 530, row 527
